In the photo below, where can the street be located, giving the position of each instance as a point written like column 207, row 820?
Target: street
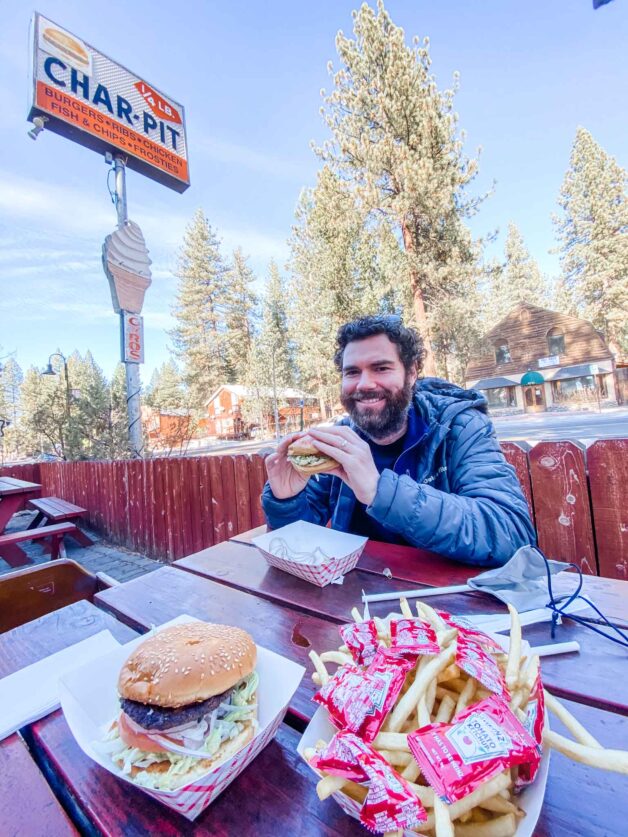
column 581, row 426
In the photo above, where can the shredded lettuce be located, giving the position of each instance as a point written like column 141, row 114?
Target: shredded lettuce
column 246, row 689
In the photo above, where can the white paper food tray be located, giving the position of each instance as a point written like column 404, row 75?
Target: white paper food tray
column 530, row 799
column 343, row 549
column 89, row 699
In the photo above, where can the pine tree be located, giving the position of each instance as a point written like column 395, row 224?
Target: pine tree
column 515, row 281
column 339, row 272
column 242, row 314
column 200, row 337
column 117, row 432
column 396, row 142
column 593, row 238
column 165, row 390
column 90, row 408
column 44, row 423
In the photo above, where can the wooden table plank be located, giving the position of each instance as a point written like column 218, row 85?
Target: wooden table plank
column 161, row 595
column 51, row 633
column 276, row 794
column 410, row 565
column 27, row 804
column 242, row 567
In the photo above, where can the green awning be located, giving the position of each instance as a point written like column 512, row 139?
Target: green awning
column 532, row 377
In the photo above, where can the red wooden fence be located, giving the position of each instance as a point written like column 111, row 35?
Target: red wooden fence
column 171, row 507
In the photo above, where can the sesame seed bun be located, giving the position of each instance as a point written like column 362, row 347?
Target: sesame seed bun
column 187, row 663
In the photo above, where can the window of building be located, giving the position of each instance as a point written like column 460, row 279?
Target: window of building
column 500, row 397
column 556, row 341
column 502, row 352
column 579, row 389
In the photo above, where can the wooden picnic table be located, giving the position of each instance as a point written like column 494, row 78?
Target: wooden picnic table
column 13, row 494
column 277, row 791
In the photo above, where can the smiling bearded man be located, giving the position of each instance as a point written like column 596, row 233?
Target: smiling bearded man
column 418, row 460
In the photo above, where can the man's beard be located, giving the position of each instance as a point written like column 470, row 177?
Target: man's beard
column 379, row 424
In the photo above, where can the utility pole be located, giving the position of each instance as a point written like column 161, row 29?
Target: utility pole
column 133, row 386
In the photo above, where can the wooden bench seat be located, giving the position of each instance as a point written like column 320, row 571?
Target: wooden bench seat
column 57, row 510
column 15, row 557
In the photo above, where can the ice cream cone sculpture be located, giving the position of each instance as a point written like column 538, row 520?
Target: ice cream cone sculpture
column 127, row 265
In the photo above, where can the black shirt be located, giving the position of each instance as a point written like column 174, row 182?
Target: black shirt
column 384, row 456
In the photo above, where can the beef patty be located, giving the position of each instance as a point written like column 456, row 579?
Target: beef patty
column 162, row 717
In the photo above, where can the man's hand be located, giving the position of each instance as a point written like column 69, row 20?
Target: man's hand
column 353, row 454
column 284, row 480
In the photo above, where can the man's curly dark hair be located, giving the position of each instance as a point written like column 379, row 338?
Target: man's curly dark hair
column 408, row 341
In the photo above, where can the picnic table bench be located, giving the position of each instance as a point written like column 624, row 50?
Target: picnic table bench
column 16, row 557
column 58, row 511
column 277, row 792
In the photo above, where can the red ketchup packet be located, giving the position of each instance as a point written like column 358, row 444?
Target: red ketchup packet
column 467, row 629
column 390, row 803
column 413, row 636
column 358, row 700
column 478, row 662
column 484, row 740
column 534, row 723
column 361, row 640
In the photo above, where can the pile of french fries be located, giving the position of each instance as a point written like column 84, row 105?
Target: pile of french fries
column 435, row 691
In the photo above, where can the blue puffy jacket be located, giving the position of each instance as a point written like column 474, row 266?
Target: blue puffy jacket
column 451, row 490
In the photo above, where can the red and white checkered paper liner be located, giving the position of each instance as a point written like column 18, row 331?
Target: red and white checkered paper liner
column 320, row 575
column 89, row 700
column 192, row 800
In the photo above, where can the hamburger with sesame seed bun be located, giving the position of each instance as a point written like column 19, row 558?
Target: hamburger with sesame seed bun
column 308, row 460
column 188, row 699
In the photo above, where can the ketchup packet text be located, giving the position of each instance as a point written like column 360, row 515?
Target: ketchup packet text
column 358, row 700
column 478, row 662
column 413, row 636
column 534, row 723
column 390, row 803
column 361, row 640
column 484, row 740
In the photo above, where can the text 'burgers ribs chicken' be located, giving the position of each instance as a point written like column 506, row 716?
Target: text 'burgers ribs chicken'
column 189, row 702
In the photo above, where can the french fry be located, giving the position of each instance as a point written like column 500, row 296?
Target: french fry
column 430, row 697
column 407, row 703
column 356, row 615
column 574, row 726
column 411, row 772
column 442, row 820
column 329, row 785
column 424, row 793
column 450, row 673
column 498, row 805
column 466, row 695
column 458, row 684
column 445, row 710
column 396, row 757
column 335, row 657
column 423, row 716
column 316, row 679
column 485, row 791
column 614, row 760
column 391, row 741
column 319, row 665
column 429, row 614
column 514, row 651
column 404, row 607
column 442, row 693
column 354, row 791
column 500, row 827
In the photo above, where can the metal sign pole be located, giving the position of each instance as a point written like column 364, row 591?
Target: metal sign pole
column 133, row 386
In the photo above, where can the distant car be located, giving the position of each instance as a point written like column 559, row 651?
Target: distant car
column 48, row 457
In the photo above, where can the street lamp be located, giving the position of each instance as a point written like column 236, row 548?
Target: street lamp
column 50, row 371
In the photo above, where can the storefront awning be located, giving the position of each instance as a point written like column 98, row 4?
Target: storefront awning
column 531, row 377
column 494, row 383
column 580, row 371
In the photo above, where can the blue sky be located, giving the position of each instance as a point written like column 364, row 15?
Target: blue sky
column 249, row 76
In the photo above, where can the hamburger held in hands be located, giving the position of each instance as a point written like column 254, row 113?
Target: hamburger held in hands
column 188, row 697
column 308, row 460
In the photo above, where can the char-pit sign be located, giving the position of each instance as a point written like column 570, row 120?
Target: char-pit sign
column 92, row 100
